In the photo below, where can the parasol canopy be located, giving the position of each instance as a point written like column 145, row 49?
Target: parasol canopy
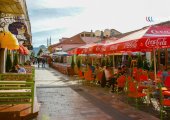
column 8, row 40
column 146, row 39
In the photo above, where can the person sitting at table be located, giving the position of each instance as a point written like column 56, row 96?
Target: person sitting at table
column 20, row 69
column 108, row 73
column 97, row 71
column 113, row 79
column 124, row 69
column 164, row 74
column 91, row 67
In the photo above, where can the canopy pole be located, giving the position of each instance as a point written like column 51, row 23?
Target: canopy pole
column 113, row 62
column 154, row 55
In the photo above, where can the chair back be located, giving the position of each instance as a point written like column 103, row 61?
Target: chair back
column 99, row 76
column 132, row 87
column 143, row 78
column 167, row 82
column 159, row 74
column 80, row 73
column 152, row 76
column 121, row 81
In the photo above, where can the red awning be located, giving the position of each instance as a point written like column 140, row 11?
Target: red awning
column 26, row 51
column 23, row 50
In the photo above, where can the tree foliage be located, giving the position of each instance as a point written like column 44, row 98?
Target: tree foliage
column 8, row 62
column 139, row 61
column 146, row 65
column 72, row 62
column 39, row 52
column 15, row 62
column 78, row 62
column 129, row 61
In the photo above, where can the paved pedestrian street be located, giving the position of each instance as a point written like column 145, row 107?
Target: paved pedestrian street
column 61, row 99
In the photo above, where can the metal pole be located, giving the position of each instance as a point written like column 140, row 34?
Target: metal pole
column 154, row 63
column 113, row 62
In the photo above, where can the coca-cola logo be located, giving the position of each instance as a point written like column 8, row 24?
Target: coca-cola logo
column 103, row 48
column 90, row 49
column 113, row 47
column 97, row 49
column 156, row 42
column 160, row 31
column 131, row 44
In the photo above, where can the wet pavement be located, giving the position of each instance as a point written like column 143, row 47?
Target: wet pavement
column 61, row 98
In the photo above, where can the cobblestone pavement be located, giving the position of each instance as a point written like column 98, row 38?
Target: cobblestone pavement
column 61, row 98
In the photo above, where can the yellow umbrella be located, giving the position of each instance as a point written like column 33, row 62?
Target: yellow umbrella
column 8, row 40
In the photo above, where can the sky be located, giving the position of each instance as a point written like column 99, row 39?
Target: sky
column 66, row 18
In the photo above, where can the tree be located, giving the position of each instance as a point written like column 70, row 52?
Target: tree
column 15, row 59
column 146, row 65
column 139, row 61
column 8, row 62
column 103, row 61
column 152, row 66
column 78, row 62
column 32, row 54
column 39, row 52
column 72, row 62
column 129, row 61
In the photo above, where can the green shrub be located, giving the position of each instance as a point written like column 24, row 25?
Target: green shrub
column 139, row 61
column 15, row 59
column 72, row 62
column 8, row 62
column 78, row 62
column 146, row 65
column 129, row 61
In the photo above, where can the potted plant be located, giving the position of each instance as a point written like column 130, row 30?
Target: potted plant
column 15, row 62
column 146, row 65
column 129, row 61
column 78, row 63
column 8, row 62
column 72, row 66
column 15, row 59
column 139, row 61
column 103, row 61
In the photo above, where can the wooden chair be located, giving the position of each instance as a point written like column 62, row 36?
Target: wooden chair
column 121, row 82
column 99, row 76
column 80, row 75
column 88, row 77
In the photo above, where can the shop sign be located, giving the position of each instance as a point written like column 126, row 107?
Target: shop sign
column 17, row 28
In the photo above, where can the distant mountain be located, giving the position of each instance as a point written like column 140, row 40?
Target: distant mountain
column 36, row 49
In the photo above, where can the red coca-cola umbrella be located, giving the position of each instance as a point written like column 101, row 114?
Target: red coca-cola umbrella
column 146, row 39
column 83, row 49
column 100, row 48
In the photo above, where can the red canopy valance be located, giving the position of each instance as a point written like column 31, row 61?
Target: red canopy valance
column 23, row 50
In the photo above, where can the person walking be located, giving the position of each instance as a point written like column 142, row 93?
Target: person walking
column 38, row 61
column 43, row 63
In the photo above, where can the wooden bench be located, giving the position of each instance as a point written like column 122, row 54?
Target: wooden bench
column 16, row 88
column 16, row 77
column 17, row 92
